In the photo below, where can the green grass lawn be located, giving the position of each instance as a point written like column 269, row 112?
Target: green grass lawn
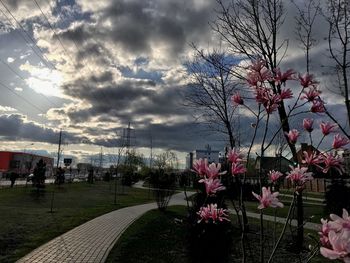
column 158, row 237
column 305, row 194
column 312, row 213
column 25, row 221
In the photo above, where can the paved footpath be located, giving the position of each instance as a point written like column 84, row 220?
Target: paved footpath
column 93, row 240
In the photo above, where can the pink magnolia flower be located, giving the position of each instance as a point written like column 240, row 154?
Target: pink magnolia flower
column 200, row 166
column 237, row 168
column 311, row 95
column 339, row 246
column 213, row 170
column 299, row 175
column 258, row 73
column 281, row 78
column 268, row 199
column 275, row 175
column 332, row 160
column 311, row 159
column 292, row 136
column 307, row 124
column 325, row 228
column 257, row 65
column 335, row 237
column 307, row 80
column 273, row 103
column 234, row 156
column 212, row 213
column 317, row 106
column 286, row 94
column 327, row 128
column 237, row 99
column 339, row 141
column 338, row 223
column 212, row 185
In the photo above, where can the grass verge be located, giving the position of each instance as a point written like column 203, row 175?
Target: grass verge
column 26, row 222
column 162, row 238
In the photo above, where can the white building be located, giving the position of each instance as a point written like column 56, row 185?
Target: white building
column 207, row 153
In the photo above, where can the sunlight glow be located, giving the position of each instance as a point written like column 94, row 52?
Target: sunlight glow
column 44, row 80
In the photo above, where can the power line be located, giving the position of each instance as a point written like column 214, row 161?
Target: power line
column 43, row 57
column 65, row 49
column 23, row 79
column 24, row 99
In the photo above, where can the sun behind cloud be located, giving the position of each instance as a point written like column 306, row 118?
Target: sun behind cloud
column 43, row 80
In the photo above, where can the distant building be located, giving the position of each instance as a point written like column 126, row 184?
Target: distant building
column 22, row 163
column 207, row 153
column 84, row 168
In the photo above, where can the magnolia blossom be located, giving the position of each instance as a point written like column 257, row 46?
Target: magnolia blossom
column 307, row 80
column 311, row 95
column 267, row 98
column 212, row 213
column 275, row 175
column 299, row 175
column 340, row 246
column 338, row 223
column 237, row 168
column 332, row 160
column 200, row 166
column 327, row 127
column 286, row 94
column 213, row 170
column 254, row 78
column 293, row 136
column 307, row 124
column 339, row 141
column 268, row 199
column 281, row 78
column 212, row 186
column 237, row 99
column 335, row 237
column 317, row 106
column 234, row 156
column 311, row 158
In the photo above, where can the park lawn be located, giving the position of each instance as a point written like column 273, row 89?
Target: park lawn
column 312, row 213
column 158, row 237
column 306, row 193
column 26, row 222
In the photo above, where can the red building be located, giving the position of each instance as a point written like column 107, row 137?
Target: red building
column 22, row 163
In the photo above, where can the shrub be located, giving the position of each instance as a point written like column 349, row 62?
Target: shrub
column 164, row 185
column 337, row 197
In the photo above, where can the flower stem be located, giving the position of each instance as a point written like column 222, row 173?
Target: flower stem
column 283, row 230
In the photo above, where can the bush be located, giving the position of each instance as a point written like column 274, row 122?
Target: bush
column 164, row 184
column 337, row 197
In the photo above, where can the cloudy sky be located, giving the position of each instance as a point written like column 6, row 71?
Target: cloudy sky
column 91, row 67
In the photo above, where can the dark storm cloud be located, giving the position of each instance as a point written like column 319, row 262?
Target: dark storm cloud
column 139, row 26
column 129, row 100
column 180, row 136
column 13, row 127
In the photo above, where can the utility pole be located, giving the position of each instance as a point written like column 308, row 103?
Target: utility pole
column 151, row 157
column 101, row 161
column 59, row 149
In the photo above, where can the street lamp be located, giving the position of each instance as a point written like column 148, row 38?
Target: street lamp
column 25, row 147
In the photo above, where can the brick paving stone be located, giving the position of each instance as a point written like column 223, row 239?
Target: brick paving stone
column 93, row 240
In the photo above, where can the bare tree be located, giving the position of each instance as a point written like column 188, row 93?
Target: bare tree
column 209, row 92
column 305, row 20
column 338, row 17
column 250, row 28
